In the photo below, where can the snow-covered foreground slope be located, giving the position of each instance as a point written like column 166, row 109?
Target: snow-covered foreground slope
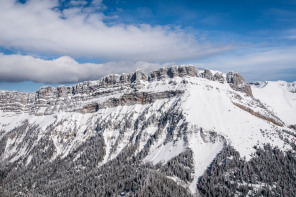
column 141, row 119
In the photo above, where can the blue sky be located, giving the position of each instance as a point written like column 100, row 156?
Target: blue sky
column 64, row 42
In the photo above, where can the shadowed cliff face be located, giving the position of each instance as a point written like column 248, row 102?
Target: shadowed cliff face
column 130, row 99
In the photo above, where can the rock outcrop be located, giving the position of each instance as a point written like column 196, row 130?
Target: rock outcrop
column 292, row 87
column 237, row 82
column 207, row 74
column 177, row 71
column 138, row 76
column 219, row 77
column 130, row 99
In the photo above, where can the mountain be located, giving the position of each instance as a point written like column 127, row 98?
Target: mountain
column 176, row 131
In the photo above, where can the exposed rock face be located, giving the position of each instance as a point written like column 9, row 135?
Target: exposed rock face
column 207, row 74
column 15, row 101
column 177, row 71
column 48, row 100
column 158, row 74
column 187, row 71
column 258, row 84
column 139, row 75
column 110, row 80
column 130, row 99
column 273, row 119
column 292, row 87
column 293, row 126
column 125, row 78
column 235, row 79
column 219, row 77
column 237, row 82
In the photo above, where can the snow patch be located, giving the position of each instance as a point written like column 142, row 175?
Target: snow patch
column 203, row 155
column 164, row 153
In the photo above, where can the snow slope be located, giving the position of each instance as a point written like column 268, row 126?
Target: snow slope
column 209, row 105
column 278, row 97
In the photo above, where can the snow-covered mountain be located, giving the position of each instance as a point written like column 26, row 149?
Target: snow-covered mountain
column 177, row 131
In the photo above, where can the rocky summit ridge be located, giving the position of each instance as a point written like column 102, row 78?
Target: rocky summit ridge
column 64, row 98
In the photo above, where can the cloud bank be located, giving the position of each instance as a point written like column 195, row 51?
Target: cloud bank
column 264, row 64
column 15, row 68
column 81, row 30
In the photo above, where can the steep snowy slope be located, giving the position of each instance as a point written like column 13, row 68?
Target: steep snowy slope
column 143, row 122
column 278, row 96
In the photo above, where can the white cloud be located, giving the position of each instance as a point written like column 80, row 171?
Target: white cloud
column 38, row 26
column 257, row 63
column 15, row 68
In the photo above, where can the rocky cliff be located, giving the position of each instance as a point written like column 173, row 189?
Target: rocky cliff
column 48, row 100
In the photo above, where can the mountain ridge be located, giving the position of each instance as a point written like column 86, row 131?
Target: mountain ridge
column 89, row 88
column 171, row 124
